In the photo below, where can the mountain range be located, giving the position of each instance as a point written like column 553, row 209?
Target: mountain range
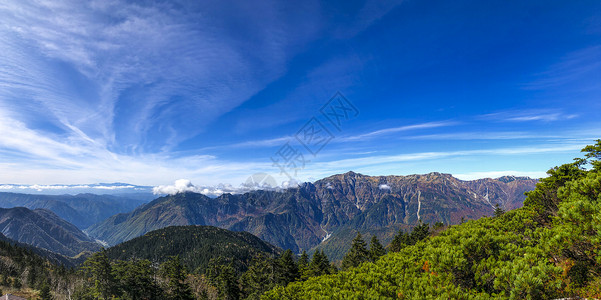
column 81, row 210
column 331, row 208
column 42, row 228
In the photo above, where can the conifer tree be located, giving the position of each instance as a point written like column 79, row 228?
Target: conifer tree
column 303, row 266
column 419, row 232
column 320, row 264
column 400, row 240
column 258, row 279
column 288, row 270
column 375, row 249
column 136, row 279
column 99, row 269
column 498, row 210
column 357, row 255
column 177, row 288
column 44, row 292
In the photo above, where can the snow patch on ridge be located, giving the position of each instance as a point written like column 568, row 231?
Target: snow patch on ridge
column 419, row 204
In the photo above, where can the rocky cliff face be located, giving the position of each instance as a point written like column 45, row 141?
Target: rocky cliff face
column 303, row 217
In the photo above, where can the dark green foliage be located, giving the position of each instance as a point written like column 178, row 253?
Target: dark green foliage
column 22, row 268
column 498, row 210
column 376, row 250
column 403, row 239
column 544, row 199
column 303, row 266
column 44, row 292
column 320, row 265
column 176, row 287
column 593, row 155
column 139, row 279
column 260, row 277
column 288, row 269
column 99, row 271
column 135, row 279
column 196, row 246
column 17, row 283
column 224, row 277
column 357, row 255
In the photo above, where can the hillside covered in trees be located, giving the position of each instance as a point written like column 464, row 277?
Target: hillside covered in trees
column 25, row 271
column 196, row 246
column 550, row 248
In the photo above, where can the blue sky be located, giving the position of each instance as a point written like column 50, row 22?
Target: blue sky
column 149, row 92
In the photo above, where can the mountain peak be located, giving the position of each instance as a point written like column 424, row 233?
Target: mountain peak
column 510, row 178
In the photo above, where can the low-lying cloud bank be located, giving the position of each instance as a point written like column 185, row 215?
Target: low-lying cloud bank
column 57, row 187
column 253, row 184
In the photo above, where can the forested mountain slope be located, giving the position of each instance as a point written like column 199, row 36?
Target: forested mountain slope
column 44, row 229
column 196, row 246
column 550, row 248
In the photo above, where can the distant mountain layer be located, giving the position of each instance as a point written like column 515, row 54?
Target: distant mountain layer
column 53, row 257
column 333, row 207
column 81, row 210
column 196, row 246
column 43, row 229
column 116, row 188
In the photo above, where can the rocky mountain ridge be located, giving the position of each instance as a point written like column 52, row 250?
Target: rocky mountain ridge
column 301, row 218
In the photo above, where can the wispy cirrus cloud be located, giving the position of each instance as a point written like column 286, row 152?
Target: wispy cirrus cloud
column 531, row 115
column 580, row 67
column 144, row 76
column 104, row 89
column 391, row 130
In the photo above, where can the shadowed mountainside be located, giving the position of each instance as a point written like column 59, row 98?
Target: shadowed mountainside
column 43, row 229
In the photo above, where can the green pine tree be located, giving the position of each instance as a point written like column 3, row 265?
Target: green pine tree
column 174, row 272
column 288, row 269
column 498, row 210
column 99, row 269
column 400, row 241
column 223, row 276
column 44, row 292
column 136, row 279
column 357, row 255
column 259, row 278
column 419, row 232
column 303, row 266
column 376, row 250
column 320, row 265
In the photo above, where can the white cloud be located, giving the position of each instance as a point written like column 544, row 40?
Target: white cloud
column 262, row 181
column 528, row 116
column 384, row 187
column 180, row 186
column 391, row 130
column 292, row 183
column 123, row 87
column 497, row 174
